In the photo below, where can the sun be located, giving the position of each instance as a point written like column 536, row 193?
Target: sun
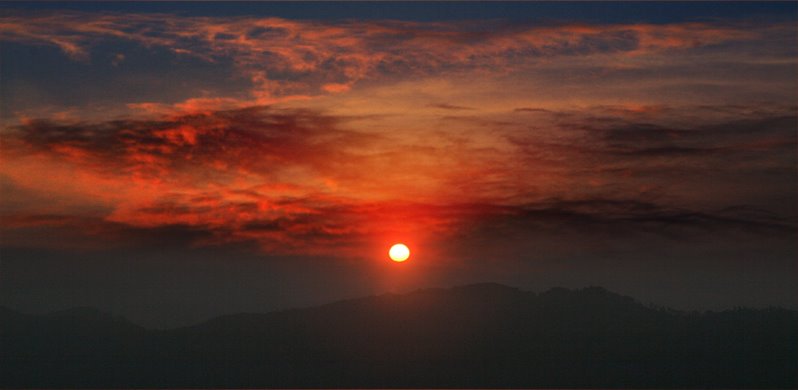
column 399, row 252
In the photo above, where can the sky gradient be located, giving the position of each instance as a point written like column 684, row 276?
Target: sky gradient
column 170, row 162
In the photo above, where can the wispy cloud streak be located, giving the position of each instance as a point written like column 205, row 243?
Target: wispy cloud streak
column 294, row 59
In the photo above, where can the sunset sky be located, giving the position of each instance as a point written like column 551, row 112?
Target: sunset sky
column 170, row 162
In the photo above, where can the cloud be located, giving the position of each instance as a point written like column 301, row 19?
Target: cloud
column 290, row 59
column 86, row 233
column 304, row 182
column 356, row 132
column 446, row 106
column 226, row 141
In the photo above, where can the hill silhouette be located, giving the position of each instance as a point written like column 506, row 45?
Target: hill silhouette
column 485, row 335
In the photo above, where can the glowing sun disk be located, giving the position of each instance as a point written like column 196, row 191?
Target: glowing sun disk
column 399, row 253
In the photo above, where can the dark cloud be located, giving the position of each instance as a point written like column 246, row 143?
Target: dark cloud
column 82, row 234
column 251, row 138
column 446, row 106
column 533, row 109
column 668, row 131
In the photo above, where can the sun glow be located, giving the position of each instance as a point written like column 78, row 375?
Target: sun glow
column 399, row 252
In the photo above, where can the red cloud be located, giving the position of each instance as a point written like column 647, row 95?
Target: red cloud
column 297, row 181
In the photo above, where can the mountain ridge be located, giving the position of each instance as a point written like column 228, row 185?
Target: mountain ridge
column 482, row 287
column 482, row 335
column 495, row 286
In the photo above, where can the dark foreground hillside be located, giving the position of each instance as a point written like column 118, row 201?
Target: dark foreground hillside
column 484, row 335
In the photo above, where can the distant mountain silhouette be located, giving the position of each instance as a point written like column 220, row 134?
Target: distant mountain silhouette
column 484, row 335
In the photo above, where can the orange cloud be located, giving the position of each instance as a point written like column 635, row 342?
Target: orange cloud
column 298, row 181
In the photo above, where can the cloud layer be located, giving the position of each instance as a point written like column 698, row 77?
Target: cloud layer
column 301, row 181
column 352, row 134
column 291, row 59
